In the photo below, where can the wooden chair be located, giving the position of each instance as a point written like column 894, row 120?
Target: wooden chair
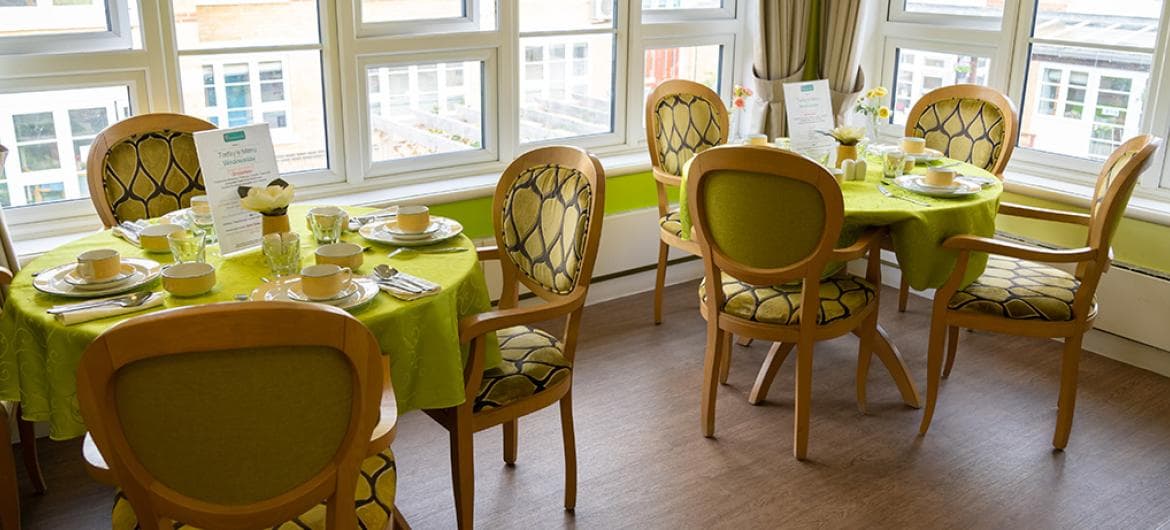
column 145, row 166
column 683, row 118
column 766, row 273
column 556, row 265
column 1018, row 296
column 971, row 123
column 9, row 494
column 263, row 414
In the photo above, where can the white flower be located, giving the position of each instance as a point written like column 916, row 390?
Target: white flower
column 268, row 199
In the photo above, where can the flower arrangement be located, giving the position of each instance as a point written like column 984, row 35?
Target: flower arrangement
column 871, row 104
column 739, row 93
column 270, row 200
column 846, row 135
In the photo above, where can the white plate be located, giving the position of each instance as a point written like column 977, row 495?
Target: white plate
column 181, row 217
column 447, row 229
column 74, row 278
column 916, row 184
column 365, row 290
column 927, row 156
column 52, row 280
column 296, row 292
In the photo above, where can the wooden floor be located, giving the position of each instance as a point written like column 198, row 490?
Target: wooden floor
column 987, row 461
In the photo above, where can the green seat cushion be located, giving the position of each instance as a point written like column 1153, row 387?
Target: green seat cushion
column 533, row 361
column 376, row 487
column 671, row 223
column 842, row 296
column 1020, row 290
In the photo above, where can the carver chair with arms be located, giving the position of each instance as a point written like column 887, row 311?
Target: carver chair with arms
column 145, row 166
column 241, row 415
column 548, row 212
column 9, row 494
column 683, row 118
column 970, row 123
column 1019, row 295
column 767, row 222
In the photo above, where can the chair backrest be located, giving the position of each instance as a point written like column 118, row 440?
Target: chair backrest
column 972, row 123
column 683, row 118
column 1115, row 185
column 234, row 415
column 549, row 206
column 145, row 166
column 763, row 215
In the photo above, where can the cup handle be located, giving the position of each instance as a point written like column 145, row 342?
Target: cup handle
column 348, row 277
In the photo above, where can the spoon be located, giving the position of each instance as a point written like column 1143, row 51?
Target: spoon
column 130, row 300
column 449, row 250
column 387, row 274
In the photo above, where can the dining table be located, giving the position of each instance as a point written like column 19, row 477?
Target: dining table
column 917, row 225
column 39, row 355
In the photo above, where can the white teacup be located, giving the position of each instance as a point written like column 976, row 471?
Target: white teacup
column 188, row 279
column 340, row 254
column 322, row 282
column 940, row 177
column 200, row 207
column 99, row 265
column 154, row 237
column 757, row 139
column 414, row 219
column 913, row 146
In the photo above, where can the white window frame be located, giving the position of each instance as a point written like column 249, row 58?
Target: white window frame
column 116, row 37
column 725, row 11
column 899, row 13
column 469, row 21
column 726, row 43
column 997, row 74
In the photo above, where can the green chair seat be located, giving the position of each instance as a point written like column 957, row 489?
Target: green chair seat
column 1020, row 290
column 533, row 361
column 376, row 488
column 671, row 223
column 842, row 296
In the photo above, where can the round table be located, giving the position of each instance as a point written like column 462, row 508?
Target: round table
column 917, row 231
column 39, row 356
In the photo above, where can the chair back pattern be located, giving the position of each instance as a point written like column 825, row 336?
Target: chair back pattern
column 1115, row 184
column 145, row 166
column 683, row 118
column 250, row 418
column 971, row 123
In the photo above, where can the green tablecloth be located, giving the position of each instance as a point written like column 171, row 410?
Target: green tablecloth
column 39, row 357
column 917, row 231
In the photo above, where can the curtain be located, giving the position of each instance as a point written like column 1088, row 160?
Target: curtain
column 7, row 253
column 800, row 40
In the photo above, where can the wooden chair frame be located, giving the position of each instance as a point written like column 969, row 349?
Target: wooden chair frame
column 9, row 493
column 112, row 135
column 803, row 336
column 1110, row 201
column 461, row 421
column 663, row 179
column 226, row 326
column 1011, row 127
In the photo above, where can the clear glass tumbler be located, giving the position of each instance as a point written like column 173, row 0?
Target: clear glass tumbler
column 188, row 246
column 326, row 223
column 283, row 252
column 893, row 164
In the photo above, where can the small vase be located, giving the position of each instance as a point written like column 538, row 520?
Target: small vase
column 846, row 152
column 273, row 224
column 871, row 133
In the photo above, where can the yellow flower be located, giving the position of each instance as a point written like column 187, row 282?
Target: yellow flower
column 869, row 94
column 880, row 91
column 884, row 112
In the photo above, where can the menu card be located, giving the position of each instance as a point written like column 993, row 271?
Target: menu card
column 809, row 111
column 230, row 158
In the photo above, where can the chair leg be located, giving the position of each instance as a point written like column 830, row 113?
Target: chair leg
column 903, row 294
column 660, row 281
column 398, row 522
column 744, row 341
column 804, row 356
column 463, row 468
column 952, row 349
column 1069, row 368
column 934, row 362
column 570, row 451
column 28, row 446
column 776, row 356
column 510, row 435
column 725, row 366
column 9, row 495
column 865, row 348
column 711, row 363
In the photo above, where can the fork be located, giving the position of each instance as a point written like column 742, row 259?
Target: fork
column 882, row 188
column 128, row 301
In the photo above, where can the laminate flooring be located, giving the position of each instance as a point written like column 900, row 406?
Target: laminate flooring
column 986, row 463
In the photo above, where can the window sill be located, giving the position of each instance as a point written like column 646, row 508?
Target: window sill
column 1147, row 209
column 433, row 192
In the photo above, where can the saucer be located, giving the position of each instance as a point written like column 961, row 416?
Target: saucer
column 365, row 290
column 296, row 292
column 74, row 278
column 927, row 156
column 52, row 280
column 395, row 230
column 445, row 229
column 917, row 184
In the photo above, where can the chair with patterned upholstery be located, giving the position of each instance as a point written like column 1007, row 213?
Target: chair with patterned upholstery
column 1018, row 296
column 766, row 274
column 145, row 166
column 549, row 205
column 971, row 123
column 263, row 415
column 9, row 494
column 683, row 118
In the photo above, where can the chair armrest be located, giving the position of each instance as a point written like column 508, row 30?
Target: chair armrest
column 1045, row 214
column 482, row 323
column 868, row 239
column 5, row 276
column 95, row 463
column 1015, row 250
column 666, row 178
column 487, row 253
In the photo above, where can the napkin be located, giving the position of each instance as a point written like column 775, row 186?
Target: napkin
column 85, row 315
column 127, row 235
column 432, row 288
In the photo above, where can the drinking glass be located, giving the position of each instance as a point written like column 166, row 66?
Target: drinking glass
column 188, row 246
column 283, row 252
column 893, row 163
column 326, row 224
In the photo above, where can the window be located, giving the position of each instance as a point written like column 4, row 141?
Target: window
column 64, row 25
column 919, row 71
column 695, row 63
column 417, row 115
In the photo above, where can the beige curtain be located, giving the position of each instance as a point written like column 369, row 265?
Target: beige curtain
column 7, row 252
column 840, row 63
column 781, row 43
